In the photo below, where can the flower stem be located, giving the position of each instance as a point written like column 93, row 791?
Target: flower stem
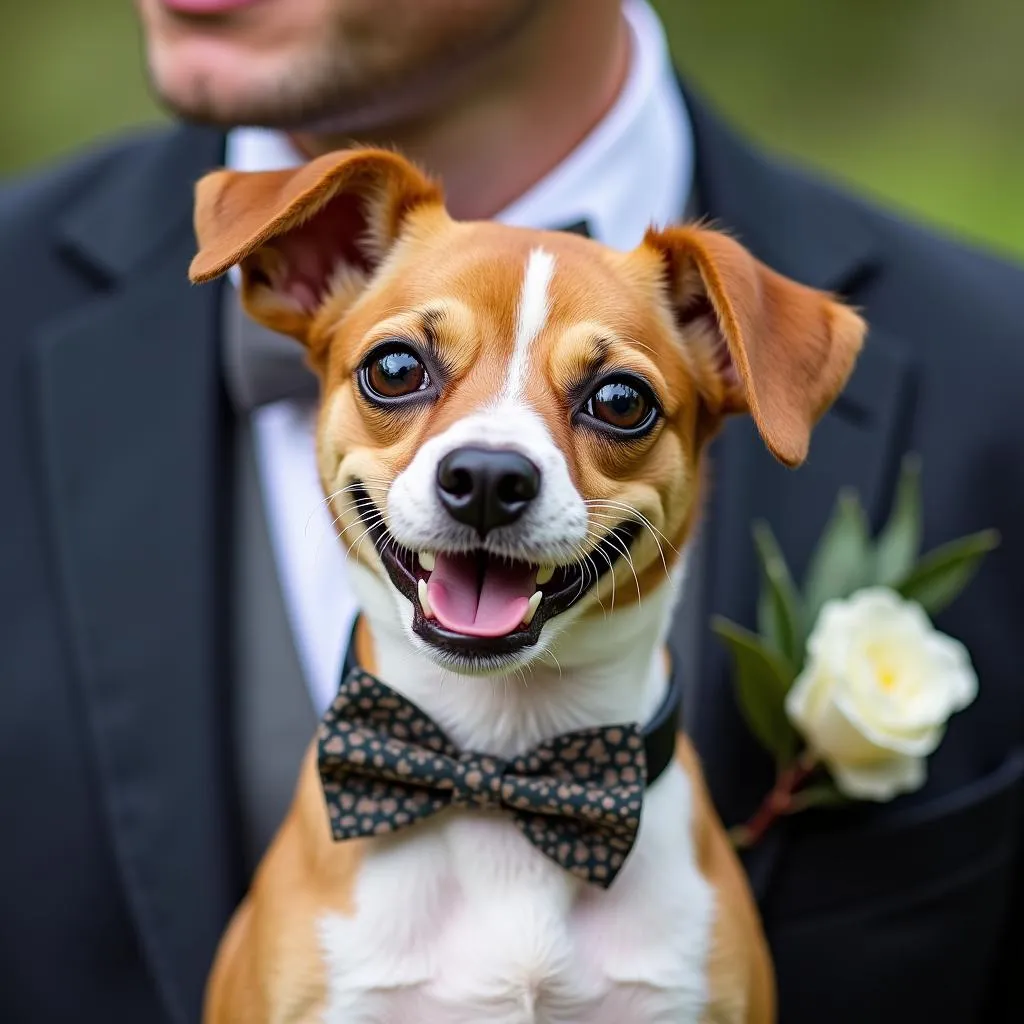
column 777, row 803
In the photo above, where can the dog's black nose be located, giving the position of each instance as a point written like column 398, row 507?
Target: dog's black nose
column 486, row 487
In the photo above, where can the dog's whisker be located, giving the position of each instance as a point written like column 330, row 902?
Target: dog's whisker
column 377, row 517
column 362, row 510
column 369, row 527
column 595, row 536
column 351, row 503
column 642, row 520
column 558, row 664
column 607, row 558
column 391, row 543
column 339, row 535
column 359, row 542
column 357, row 504
column 590, row 572
column 522, row 676
column 352, row 549
column 612, row 503
column 597, row 576
column 363, row 492
column 352, row 488
column 620, row 545
column 636, row 514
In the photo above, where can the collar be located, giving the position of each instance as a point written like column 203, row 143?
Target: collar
column 634, row 169
column 659, row 734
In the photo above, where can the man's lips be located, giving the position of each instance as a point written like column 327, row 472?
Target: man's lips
column 207, row 7
column 482, row 603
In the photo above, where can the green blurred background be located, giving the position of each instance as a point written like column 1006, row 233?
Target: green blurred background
column 919, row 102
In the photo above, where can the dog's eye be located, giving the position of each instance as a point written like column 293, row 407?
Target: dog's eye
column 623, row 404
column 394, row 372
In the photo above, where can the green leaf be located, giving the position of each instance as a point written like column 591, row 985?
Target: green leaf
column 762, row 681
column 843, row 559
column 779, row 614
column 899, row 542
column 941, row 574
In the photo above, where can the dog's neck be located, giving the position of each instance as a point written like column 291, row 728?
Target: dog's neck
column 605, row 670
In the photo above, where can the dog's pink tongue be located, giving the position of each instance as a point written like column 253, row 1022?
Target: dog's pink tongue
column 491, row 606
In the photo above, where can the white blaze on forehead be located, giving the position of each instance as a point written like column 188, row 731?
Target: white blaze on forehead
column 533, row 314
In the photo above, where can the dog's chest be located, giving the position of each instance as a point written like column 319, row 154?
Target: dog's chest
column 463, row 921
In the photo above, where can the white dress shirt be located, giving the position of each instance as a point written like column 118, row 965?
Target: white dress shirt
column 634, row 169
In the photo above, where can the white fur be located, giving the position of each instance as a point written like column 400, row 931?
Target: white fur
column 548, row 530
column 532, row 317
column 463, row 920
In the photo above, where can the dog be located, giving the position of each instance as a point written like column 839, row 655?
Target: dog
column 516, row 421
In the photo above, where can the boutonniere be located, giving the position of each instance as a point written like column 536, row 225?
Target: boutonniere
column 846, row 682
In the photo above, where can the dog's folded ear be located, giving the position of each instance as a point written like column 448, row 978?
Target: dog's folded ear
column 303, row 235
column 758, row 342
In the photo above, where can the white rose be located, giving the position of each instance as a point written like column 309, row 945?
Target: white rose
column 877, row 688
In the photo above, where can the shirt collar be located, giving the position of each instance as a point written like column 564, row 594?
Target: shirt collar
column 634, row 169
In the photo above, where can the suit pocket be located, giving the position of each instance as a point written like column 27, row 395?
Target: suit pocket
column 897, row 919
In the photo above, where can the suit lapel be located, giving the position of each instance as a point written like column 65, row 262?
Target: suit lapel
column 805, row 231
column 132, row 429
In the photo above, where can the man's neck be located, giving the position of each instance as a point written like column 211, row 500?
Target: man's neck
column 611, row 670
column 540, row 99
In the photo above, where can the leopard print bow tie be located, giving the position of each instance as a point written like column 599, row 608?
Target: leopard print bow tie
column 384, row 765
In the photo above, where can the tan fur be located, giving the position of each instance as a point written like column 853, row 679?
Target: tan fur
column 791, row 346
column 269, row 956
column 268, row 966
column 237, row 212
column 741, row 982
column 712, row 331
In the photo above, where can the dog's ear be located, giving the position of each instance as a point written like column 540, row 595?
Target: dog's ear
column 301, row 235
column 757, row 341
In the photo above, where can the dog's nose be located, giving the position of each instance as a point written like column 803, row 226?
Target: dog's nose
column 486, row 487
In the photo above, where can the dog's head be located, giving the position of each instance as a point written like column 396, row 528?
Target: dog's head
column 514, row 418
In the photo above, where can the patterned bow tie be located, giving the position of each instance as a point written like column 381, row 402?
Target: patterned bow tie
column 384, row 765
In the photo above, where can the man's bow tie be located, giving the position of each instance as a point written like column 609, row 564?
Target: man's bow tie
column 384, row 765
column 261, row 366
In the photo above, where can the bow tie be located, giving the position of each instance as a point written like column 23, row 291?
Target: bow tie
column 385, row 765
column 261, row 366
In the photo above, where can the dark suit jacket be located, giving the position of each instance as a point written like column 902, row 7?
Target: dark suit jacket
column 120, row 860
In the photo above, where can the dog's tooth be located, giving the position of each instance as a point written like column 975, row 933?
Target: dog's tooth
column 424, row 602
column 544, row 574
column 531, row 608
column 427, row 560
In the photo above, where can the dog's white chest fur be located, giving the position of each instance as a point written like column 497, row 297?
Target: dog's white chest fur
column 463, row 921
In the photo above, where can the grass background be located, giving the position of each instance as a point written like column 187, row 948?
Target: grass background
column 919, row 103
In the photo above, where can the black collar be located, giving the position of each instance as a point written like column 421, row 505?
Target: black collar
column 659, row 734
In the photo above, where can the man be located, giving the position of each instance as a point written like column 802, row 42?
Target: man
column 171, row 626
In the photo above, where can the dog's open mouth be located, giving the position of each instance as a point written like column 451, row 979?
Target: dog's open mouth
column 482, row 604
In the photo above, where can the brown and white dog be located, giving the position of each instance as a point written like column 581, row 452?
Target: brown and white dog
column 495, row 402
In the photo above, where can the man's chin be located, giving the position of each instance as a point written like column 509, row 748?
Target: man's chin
column 222, row 83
